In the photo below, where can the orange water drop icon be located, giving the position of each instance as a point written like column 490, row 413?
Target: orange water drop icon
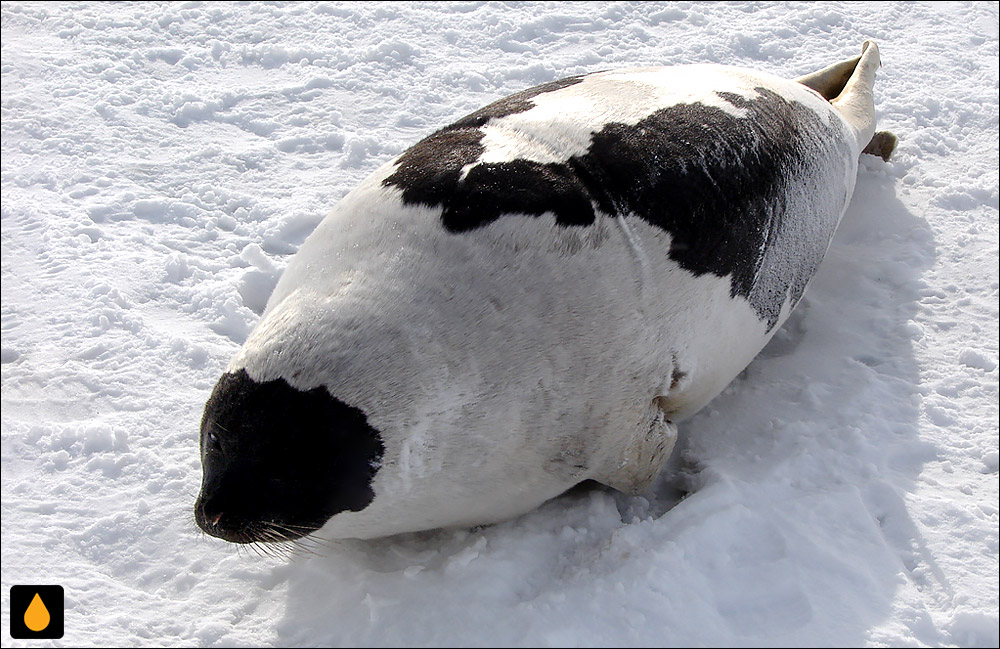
column 37, row 616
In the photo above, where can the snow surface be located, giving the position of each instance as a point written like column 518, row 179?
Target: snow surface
column 162, row 161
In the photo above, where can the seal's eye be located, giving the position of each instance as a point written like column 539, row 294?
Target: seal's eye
column 213, row 442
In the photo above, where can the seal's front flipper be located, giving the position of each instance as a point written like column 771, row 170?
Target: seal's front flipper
column 645, row 455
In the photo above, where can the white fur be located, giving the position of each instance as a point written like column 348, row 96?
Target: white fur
column 505, row 364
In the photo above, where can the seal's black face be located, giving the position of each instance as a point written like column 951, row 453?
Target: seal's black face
column 279, row 462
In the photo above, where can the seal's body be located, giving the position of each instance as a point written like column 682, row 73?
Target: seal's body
column 532, row 297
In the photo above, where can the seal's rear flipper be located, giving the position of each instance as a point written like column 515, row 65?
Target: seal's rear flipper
column 883, row 144
column 645, row 455
column 848, row 87
column 830, row 81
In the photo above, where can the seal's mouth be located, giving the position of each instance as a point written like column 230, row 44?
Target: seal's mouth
column 240, row 529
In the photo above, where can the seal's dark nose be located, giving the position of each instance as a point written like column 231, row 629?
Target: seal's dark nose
column 208, row 516
column 228, row 526
column 210, row 524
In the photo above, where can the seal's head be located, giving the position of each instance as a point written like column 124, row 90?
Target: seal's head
column 279, row 462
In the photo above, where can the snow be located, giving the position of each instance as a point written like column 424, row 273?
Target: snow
column 162, row 161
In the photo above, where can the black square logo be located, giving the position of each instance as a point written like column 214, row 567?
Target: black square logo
column 36, row 612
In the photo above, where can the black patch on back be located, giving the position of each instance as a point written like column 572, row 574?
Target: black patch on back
column 428, row 172
column 274, row 455
column 519, row 102
column 716, row 182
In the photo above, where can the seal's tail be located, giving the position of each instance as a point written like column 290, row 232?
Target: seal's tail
column 848, row 86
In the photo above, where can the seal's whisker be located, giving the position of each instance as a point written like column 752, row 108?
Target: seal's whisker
column 310, row 538
column 292, row 526
column 319, row 541
column 302, row 548
column 220, row 426
column 281, row 538
column 280, row 535
column 292, row 534
column 246, row 550
column 270, row 550
column 276, row 538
